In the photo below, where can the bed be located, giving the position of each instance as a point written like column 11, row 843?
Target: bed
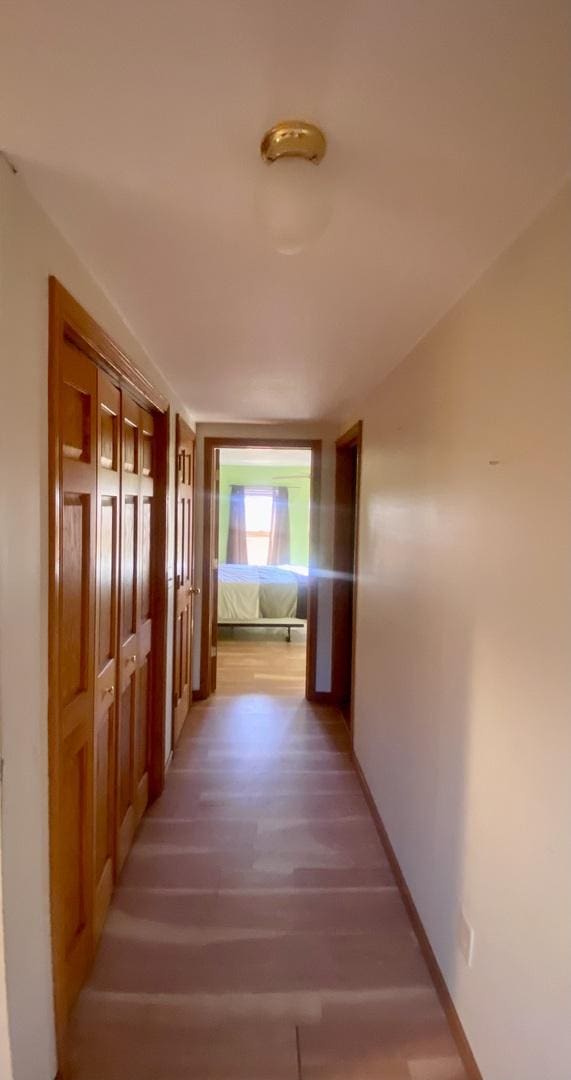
column 272, row 596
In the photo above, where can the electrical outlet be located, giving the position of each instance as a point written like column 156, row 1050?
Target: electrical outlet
column 466, row 939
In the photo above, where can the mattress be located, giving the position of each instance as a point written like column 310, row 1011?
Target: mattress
column 238, row 593
column 247, row 593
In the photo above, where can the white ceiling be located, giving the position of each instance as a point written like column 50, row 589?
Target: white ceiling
column 137, row 123
column 274, row 457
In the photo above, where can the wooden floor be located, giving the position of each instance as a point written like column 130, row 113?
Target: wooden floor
column 257, row 933
column 261, row 661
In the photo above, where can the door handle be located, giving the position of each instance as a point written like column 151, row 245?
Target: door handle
column 108, row 691
column 194, row 591
column 131, row 659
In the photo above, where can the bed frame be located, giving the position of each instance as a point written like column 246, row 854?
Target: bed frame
column 286, row 624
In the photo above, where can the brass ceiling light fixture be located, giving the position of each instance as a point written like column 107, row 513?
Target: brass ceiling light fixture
column 294, row 203
column 294, row 138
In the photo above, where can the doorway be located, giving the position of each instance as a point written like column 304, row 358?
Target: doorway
column 347, row 478
column 261, row 517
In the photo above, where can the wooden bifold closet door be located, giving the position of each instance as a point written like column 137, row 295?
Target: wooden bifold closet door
column 106, row 711
column 71, row 723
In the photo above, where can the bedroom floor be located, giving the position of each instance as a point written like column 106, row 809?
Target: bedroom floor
column 252, row 660
column 257, row 933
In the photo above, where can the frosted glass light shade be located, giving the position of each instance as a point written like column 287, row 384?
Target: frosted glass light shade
column 293, row 204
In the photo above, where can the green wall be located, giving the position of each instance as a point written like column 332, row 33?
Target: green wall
column 270, row 476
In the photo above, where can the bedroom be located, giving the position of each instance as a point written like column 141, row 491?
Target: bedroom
column 263, row 563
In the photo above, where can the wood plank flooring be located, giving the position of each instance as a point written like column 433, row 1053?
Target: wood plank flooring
column 261, row 661
column 257, row 933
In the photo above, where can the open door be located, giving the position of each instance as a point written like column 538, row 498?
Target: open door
column 347, row 465
column 184, row 587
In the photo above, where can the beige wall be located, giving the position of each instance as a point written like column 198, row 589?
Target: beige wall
column 463, row 699
column 30, row 250
column 315, row 430
column 5, row 1055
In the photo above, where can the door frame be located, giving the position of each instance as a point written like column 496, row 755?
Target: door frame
column 351, row 440
column 68, row 321
column 179, row 420
column 210, row 542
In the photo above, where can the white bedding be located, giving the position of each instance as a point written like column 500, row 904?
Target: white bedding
column 238, row 593
column 247, row 593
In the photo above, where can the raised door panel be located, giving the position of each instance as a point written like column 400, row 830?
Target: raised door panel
column 125, row 769
column 76, row 534
column 182, row 671
column 142, row 738
column 107, row 613
column 76, row 878
column 104, row 839
column 129, row 568
column 71, row 733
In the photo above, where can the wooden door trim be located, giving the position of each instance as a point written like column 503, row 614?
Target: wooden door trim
column 101, row 348
column 191, row 435
column 210, row 491
column 68, row 321
column 351, row 439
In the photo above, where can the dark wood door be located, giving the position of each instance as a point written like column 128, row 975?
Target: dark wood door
column 184, row 573
column 347, row 459
column 72, row 647
column 107, row 608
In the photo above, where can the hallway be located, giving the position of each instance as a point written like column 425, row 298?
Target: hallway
column 256, row 932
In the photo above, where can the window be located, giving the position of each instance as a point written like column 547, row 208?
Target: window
column 259, row 506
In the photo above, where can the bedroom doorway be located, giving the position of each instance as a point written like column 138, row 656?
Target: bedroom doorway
column 260, row 537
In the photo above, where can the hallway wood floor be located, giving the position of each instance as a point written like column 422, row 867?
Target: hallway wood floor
column 257, row 933
column 256, row 661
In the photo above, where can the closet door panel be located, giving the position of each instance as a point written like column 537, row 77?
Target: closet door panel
column 72, row 731
column 104, row 840
column 142, row 738
column 107, row 583
column 125, row 746
column 108, row 489
column 107, row 613
column 129, row 567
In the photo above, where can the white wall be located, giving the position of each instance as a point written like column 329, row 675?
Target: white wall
column 463, row 667
column 324, row 591
column 30, row 250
